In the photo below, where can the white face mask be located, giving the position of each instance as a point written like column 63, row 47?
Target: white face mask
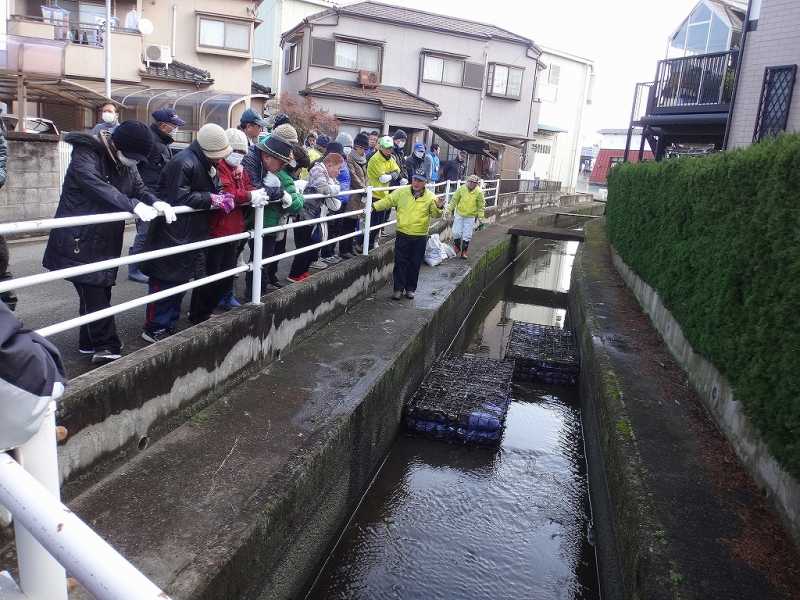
column 419, row 153
column 234, row 159
column 109, row 117
column 128, row 162
column 347, row 150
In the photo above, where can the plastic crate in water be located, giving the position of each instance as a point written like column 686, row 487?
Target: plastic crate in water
column 543, row 353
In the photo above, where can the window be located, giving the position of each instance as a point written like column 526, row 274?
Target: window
column 504, row 81
column 225, row 35
column 704, row 32
column 776, row 98
column 452, row 71
column 554, row 75
column 292, row 53
column 355, row 57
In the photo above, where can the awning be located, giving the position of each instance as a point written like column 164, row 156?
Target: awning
column 55, row 90
column 505, row 138
column 550, row 128
column 467, row 142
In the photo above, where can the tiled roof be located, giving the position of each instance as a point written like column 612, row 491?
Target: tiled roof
column 427, row 20
column 257, row 88
column 390, row 98
column 178, row 71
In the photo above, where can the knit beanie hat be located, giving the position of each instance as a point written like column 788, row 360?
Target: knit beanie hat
column 237, row 139
column 323, row 140
column 335, row 148
column 345, row 139
column 362, row 139
column 213, row 141
column 133, row 139
column 400, row 135
column 287, row 132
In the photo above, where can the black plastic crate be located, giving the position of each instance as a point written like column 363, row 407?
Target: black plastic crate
column 543, row 353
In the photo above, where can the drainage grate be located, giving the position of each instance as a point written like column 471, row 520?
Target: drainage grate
column 463, row 399
column 543, row 353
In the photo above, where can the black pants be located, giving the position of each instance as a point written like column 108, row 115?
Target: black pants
column 102, row 334
column 280, row 248
column 409, row 250
column 302, row 262
column 269, row 248
column 205, row 299
column 347, row 226
column 379, row 217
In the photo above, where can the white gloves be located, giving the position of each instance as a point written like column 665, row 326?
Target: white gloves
column 385, row 178
column 404, row 181
column 145, row 212
column 166, row 209
column 335, row 189
column 258, row 197
column 287, row 200
column 300, row 185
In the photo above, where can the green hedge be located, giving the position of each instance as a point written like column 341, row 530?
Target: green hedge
column 719, row 238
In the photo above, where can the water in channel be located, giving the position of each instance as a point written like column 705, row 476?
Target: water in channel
column 455, row 522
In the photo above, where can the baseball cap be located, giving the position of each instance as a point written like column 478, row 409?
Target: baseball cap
column 418, row 146
column 386, row 142
column 168, row 115
column 251, row 116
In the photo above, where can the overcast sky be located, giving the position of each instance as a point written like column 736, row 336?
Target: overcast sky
column 625, row 38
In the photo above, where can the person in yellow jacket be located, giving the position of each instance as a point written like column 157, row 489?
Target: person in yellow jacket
column 468, row 206
column 415, row 205
column 382, row 171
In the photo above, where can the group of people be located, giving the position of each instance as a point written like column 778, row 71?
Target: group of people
column 131, row 166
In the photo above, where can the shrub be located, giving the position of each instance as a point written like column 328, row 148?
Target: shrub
column 719, row 238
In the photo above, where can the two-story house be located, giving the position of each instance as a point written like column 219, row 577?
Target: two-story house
column 458, row 82
column 193, row 55
column 688, row 103
column 765, row 103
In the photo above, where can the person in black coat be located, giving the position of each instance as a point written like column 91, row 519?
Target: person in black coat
column 101, row 178
column 189, row 179
column 165, row 123
column 400, row 138
column 453, row 170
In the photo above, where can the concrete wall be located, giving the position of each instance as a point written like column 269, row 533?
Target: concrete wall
column 717, row 395
column 31, row 189
column 775, row 42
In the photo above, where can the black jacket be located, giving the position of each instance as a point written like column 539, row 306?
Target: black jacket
column 400, row 158
column 159, row 156
column 96, row 182
column 185, row 181
column 452, row 170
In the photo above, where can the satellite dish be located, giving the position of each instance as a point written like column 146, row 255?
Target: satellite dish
column 145, row 26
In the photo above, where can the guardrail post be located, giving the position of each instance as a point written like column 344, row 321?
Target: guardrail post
column 41, row 577
column 258, row 251
column 367, row 220
column 497, row 193
column 447, row 193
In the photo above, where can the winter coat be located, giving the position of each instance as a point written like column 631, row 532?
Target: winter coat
column 234, row 181
column 273, row 213
column 319, row 182
column 400, row 158
column 159, row 156
column 413, row 214
column 187, row 180
column 103, row 126
column 343, row 179
column 468, row 203
column 380, row 165
column 358, row 181
column 434, row 166
column 3, row 156
column 452, row 170
column 413, row 163
column 95, row 182
column 31, row 374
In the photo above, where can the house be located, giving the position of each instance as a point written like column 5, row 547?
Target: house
column 461, row 83
column 277, row 16
column 689, row 100
column 612, row 152
column 195, row 56
column 765, row 102
column 564, row 89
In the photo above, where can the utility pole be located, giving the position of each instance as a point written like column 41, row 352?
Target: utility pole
column 108, row 48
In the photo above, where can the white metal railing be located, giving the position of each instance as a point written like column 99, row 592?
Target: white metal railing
column 49, row 537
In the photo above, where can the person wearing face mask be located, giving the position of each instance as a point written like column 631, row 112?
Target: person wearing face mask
column 399, row 140
column 165, row 124
column 101, row 178
column 109, row 118
column 342, row 146
column 382, row 171
column 189, row 179
column 434, row 158
column 418, row 160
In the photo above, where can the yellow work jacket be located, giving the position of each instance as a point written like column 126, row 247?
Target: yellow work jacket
column 468, row 204
column 380, row 165
column 413, row 214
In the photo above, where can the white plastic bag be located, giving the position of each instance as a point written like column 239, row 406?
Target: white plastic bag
column 434, row 251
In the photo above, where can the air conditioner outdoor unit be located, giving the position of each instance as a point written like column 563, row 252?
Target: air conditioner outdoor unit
column 367, row 79
column 158, row 54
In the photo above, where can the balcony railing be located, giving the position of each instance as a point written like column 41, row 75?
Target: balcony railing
column 87, row 34
column 694, row 84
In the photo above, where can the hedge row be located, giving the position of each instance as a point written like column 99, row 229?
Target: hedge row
column 719, row 238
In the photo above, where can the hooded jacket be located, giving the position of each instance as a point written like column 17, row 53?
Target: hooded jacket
column 380, row 165
column 159, row 156
column 95, row 182
column 187, row 180
column 31, row 374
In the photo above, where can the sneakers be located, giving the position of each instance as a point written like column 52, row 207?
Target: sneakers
column 410, row 295
column 156, row 336
column 138, row 277
column 229, row 301
column 319, row 265
column 346, row 256
column 105, row 356
column 332, row 260
column 296, row 278
column 397, row 295
column 86, row 350
column 464, row 255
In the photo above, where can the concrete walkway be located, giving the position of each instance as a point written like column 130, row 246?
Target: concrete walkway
column 690, row 522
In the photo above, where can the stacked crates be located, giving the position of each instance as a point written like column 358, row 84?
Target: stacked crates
column 543, row 354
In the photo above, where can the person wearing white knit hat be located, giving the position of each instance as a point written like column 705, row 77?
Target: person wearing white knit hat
column 213, row 142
